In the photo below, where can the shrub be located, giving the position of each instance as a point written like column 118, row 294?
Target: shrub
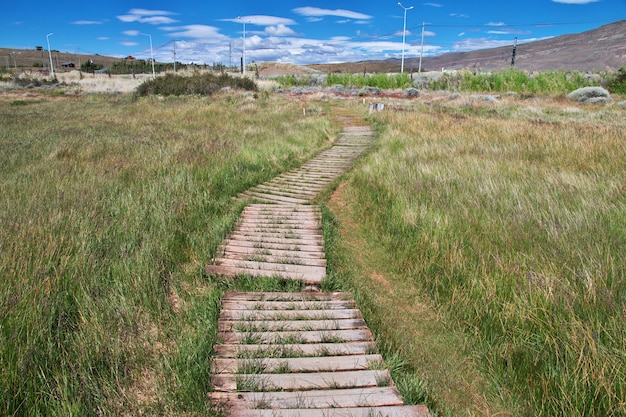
column 205, row 84
column 616, row 83
column 590, row 95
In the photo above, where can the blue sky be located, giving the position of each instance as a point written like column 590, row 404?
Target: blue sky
column 295, row 31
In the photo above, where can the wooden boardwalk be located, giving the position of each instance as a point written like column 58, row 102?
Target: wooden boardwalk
column 302, row 185
column 300, row 354
column 306, row 354
column 274, row 240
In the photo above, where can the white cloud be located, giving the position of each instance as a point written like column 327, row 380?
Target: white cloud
column 317, row 12
column 86, row 22
column 103, row 38
column 203, row 32
column 429, row 33
column 279, row 30
column 496, row 24
column 575, row 1
column 154, row 17
column 458, row 15
column 131, row 32
column 262, row 20
column 129, row 43
column 432, row 4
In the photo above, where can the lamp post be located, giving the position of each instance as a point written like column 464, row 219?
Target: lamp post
column 151, row 56
column 403, row 34
column 50, row 53
column 244, row 45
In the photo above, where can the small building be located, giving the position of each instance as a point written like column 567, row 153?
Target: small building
column 68, row 65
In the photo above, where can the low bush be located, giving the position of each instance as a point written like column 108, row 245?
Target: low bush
column 205, row 84
column 616, row 83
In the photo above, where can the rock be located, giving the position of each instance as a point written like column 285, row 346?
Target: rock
column 590, row 95
column 622, row 104
column 411, row 92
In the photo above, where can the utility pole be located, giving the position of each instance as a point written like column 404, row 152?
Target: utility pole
column 174, row 55
column 514, row 51
column 422, row 49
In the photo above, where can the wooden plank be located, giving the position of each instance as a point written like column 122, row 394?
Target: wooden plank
column 293, row 325
column 313, row 364
column 286, row 296
column 285, row 259
column 396, row 411
column 270, row 245
column 301, row 350
column 243, row 250
column 288, row 305
column 356, row 397
column 313, row 241
column 308, row 278
column 254, row 193
column 301, row 381
column 275, row 267
column 280, row 337
column 291, row 314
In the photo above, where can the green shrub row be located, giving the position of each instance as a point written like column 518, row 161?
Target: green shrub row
column 383, row 81
column 205, row 84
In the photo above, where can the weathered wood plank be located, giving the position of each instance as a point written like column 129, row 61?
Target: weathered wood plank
column 397, row 411
column 301, row 381
column 309, row 278
column 243, row 250
column 269, row 245
column 284, row 259
column 275, row 267
column 312, row 241
column 315, row 336
column 228, row 304
column 300, row 350
column 292, row 325
column 287, row 296
column 357, row 397
column 291, row 314
column 313, row 364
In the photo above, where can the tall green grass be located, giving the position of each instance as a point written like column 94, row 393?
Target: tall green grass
column 382, row 81
column 516, row 230
column 512, row 80
column 110, row 207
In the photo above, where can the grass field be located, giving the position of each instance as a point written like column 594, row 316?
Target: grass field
column 485, row 244
column 508, row 223
column 110, row 209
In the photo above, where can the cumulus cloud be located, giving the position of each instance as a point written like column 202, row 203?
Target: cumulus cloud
column 279, row 30
column 317, row 12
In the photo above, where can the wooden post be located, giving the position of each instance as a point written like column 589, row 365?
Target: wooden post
column 304, row 108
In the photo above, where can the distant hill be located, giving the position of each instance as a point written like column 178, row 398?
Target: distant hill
column 598, row 49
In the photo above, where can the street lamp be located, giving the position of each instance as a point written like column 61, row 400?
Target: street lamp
column 244, row 45
column 403, row 34
column 50, row 53
column 151, row 56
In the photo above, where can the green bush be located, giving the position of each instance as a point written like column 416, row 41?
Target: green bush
column 205, row 84
column 616, row 83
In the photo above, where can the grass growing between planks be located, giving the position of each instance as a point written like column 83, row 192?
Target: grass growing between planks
column 110, row 207
column 509, row 220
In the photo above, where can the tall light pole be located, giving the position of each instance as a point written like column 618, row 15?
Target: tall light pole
column 421, row 50
column 50, row 53
column 244, row 45
column 403, row 34
column 151, row 56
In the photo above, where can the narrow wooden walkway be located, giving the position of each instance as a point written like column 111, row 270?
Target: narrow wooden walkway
column 304, row 354
column 300, row 354
column 274, row 240
column 302, row 185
